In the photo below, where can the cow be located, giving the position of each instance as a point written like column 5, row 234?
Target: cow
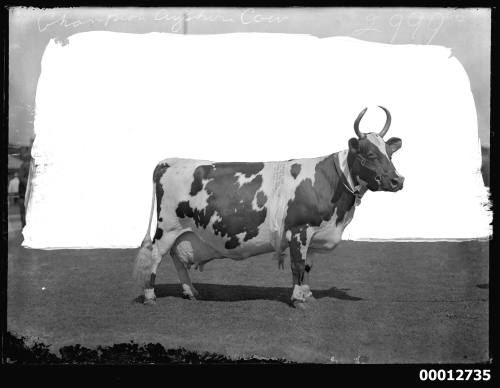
column 207, row 210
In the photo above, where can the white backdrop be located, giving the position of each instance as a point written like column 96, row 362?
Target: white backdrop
column 110, row 105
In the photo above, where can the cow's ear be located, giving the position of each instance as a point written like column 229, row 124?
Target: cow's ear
column 394, row 144
column 353, row 145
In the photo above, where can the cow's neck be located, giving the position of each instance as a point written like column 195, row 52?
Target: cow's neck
column 332, row 195
column 346, row 162
column 350, row 163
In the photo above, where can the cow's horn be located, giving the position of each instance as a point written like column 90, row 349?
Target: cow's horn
column 360, row 134
column 387, row 122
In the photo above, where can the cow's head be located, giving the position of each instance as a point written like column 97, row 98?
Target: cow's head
column 370, row 157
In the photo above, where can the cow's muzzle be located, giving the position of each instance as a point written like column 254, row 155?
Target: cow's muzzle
column 396, row 183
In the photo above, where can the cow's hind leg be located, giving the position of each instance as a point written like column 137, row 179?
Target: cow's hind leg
column 183, row 255
column 148, row 260
column 146, row 264
column 149, row 286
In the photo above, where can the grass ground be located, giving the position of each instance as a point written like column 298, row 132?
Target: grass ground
column 377, row 302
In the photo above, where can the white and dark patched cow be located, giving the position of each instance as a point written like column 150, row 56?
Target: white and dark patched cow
column 208, row 210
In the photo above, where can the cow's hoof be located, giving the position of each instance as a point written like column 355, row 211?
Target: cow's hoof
column 299, row 304
column 149, row 301
column 185, row 295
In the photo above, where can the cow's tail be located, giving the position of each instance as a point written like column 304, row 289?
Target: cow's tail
column 144, row 259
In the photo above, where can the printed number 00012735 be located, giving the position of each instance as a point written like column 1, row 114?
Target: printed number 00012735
column 455, row 374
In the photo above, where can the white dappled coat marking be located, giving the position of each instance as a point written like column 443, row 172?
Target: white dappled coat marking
column 377, row 141
column 380, row 143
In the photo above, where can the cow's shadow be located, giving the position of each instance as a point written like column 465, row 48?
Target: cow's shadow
column 234, row 293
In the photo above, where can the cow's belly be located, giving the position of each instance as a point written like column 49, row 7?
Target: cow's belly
column 215, row 244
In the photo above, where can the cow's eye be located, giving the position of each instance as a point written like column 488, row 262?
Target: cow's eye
column 372, row 156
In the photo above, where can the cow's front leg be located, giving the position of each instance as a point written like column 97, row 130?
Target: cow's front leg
column 307, row 284
column 299, row 239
